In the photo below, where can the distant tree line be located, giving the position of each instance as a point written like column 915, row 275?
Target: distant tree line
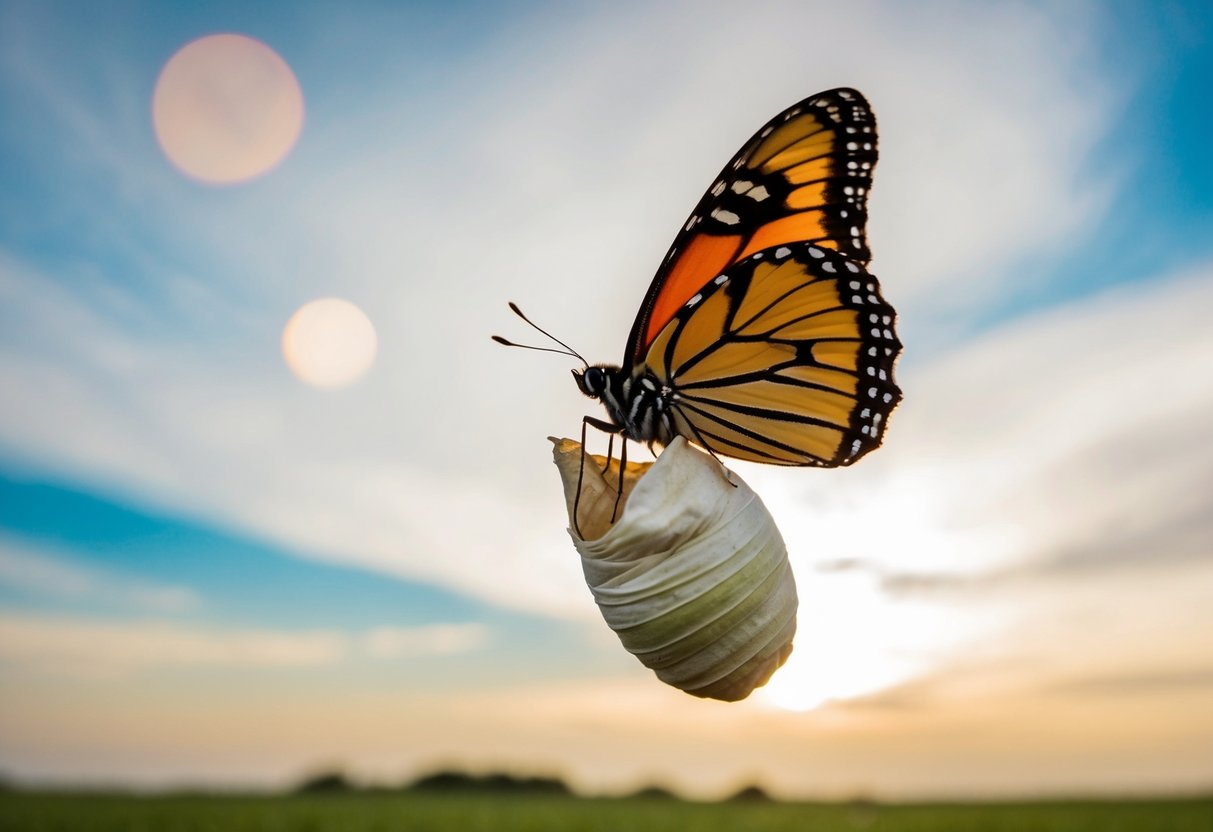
column 333, row 782
column 461, row 782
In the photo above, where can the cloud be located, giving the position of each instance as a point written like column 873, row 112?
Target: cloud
column 1076, row 433
column 1022, row 449
column 1058, row 423
column 616, row 734
column 1043, row 496
column 90, row 647
column 435, row 466
column 59, row 578
column 551, row 167
column 429, row 640
column 43, row 644
column 1199, row 679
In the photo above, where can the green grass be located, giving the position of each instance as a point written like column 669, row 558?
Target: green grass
column 27, row 812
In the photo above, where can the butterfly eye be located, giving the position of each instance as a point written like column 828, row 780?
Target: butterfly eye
column 595, row 380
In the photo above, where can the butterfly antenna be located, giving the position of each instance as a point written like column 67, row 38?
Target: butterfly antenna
column 566, row 351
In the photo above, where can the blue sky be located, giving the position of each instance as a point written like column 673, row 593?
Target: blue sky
column 175, row 505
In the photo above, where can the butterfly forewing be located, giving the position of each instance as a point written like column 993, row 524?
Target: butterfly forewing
column 804, row 177
column 785, row 358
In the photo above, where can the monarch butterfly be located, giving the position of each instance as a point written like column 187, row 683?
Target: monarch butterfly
column 762, row 336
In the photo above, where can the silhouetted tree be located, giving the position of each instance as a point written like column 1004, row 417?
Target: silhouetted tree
column 328, row 782
column 459, row 781
column 751, row 794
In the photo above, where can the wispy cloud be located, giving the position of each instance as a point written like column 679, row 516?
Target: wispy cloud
column 41, row 644
column 52, row 576
column 1149, row 683
column 619, row 734
column 1022, row 449
column 1042, row 488
column 432, row 639
column 92, row 647
column 550, row 161
column 1035, row 531
column 1066, row 431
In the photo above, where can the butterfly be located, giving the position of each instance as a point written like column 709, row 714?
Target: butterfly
column 762, row 336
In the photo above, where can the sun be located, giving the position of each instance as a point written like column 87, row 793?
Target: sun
column 856, row 635
column 846, row 645
column 329, row 343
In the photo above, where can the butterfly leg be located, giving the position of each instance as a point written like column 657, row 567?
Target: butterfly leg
column 610, row 429
column 622, row 466
column 610, row 452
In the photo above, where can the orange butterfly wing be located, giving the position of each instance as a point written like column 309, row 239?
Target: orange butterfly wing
column 804, row 177
column 785, row 358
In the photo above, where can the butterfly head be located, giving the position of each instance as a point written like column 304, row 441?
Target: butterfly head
column 594, row 381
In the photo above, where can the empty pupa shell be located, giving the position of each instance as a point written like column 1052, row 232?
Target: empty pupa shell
column 693, row 576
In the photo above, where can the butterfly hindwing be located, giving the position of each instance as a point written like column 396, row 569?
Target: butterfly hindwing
column 803, row 177
column 786, row 358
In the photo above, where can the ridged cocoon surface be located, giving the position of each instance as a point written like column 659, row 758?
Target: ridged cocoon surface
column 693, row 576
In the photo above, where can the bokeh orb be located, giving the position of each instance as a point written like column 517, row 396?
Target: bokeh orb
column 226, row 108
column 329, row 343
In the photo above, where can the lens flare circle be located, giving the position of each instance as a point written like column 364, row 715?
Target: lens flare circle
column 329, row 343
column 226, row 108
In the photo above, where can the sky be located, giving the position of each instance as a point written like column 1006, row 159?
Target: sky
column 225, row 565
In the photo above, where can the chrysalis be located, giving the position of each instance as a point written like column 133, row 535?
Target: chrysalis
column 693, row 576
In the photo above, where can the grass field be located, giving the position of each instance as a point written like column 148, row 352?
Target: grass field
column 24, row 812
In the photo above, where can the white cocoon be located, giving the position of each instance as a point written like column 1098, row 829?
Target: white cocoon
column 693, row 576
